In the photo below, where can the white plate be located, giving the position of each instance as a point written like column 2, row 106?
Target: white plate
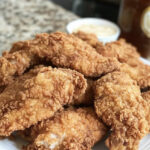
column 16, row 144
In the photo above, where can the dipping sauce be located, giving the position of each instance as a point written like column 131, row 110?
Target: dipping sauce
column 99, row 30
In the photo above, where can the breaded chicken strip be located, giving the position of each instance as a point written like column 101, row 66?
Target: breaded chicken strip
column 71, row 52
column 140, row 73
column 89, row 38
column 129, row 58
column 118, row 102
column 123, row 51
column 61, row 49
column 92, row 40
column 37, row 95
column 71, row 129
column 14, row 64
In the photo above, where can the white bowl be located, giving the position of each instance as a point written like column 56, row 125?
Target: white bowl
column 72, row 26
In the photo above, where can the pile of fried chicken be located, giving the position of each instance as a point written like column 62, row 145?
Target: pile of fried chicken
column 67, row 91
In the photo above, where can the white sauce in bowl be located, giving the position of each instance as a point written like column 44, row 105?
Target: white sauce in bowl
column 99, row 30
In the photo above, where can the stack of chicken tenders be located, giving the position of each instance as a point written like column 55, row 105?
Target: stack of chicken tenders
column 67, row 91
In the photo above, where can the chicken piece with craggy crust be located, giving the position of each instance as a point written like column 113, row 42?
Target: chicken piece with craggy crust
column 123, row 51
column 114, row 50
column 37, row 95
column 129, row 58
column 61, row 49
column 92, row 40
column 12, row 65
column 65, row 50
column 86, row 99
column 15, row 63
column 118, row 102
column 140, row 73
column 71, row 129
column 89, row 38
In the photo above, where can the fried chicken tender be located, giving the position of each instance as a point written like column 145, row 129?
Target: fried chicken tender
column 89, row 38
column 126, row 54
column 71, row 52
column 92, row 40
column 140, row 73
column 61, row 49
column 118, row 102
column 71, row 129
column 123, row 51
column 37, row 95
column 11, row 65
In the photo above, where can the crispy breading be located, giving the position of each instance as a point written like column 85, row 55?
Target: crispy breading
column 144, row 81
column 92, row 40
column 119, row 103
column 61, row 49
column 120, row 49
column 89, row 38
column 71, row 52
column 126, row 54
column 140, row 73
column 37, row 99
column 13, row 64
column 123, row 51
column 71, row 129
column 146, row 96
column 37, row 95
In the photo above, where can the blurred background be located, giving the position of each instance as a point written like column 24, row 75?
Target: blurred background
column 23, row 19
column 108, row 9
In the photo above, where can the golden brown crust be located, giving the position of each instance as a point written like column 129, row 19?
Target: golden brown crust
column 123, row 51
column 144, row 82
column 89, row 38
column 37, row 95
column 119, row 103
column 146, row 97
column 71, row 52
column 11, row 65
column 40, row 93
column 140, row 73
column 59, row 48
column 92, row 40
column 70, row 129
